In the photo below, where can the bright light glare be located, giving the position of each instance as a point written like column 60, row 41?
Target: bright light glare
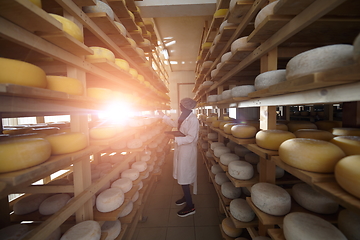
column 170, row 43
column 117, row 112
column 173, row 62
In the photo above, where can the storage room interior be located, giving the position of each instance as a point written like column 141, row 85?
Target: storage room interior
column 85, row 151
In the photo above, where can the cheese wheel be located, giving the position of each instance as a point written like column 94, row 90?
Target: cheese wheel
column 21, row 73
column 226, row 94
column 53, row 204
column 221, row 178
column 220, row 12
column 101, row 53
column 112, row 228
column 264, row 12
column 63, row 143
column 65, row 84
column 134, row 143
column 100, row 7
column 131, row 42
column 207, row 64
column 136, row 196
column 347, row 174
column 133, row 72
column 294, row 126
column 272, row 139
column 314, row 134
column 349, row 144
column 313, row 200
column 140, row 51
column 212, row 98
column 132, row 174
column 86, row 230
column 121, row 28
column 218, row 151
column 226, row 158
column 140, row 166
column 216, row 123
column 298, row 225
column 327, row 125
column 110, row 199
column 222, row 124
column 228, row 190
column 69, row 27
column 319, row 59
column 13, row 232
column 320, row 156
column 243, row 131
column 226, row 56
column 37, row 3
column 125, row 184
column 231, row 145
column 241, row 170
column 123, row 64
column 346, row 131
column 216, row 168
column 241, row 210
column 103, row 94
column 281, row 126
column 23, row 153
column 241, row 150
column 348, row 223
column 271, row 198
column 102, row 132
column 140, row 185
column 229, row 228
column 252, row 158
column 241, row 44
column 227, row 127
column 242, row 91
column 266, row 79
column 225, row 24
column 29, row 203
column 127, row 209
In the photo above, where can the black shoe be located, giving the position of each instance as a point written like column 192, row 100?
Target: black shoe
column 186, row 211
column 181, row 201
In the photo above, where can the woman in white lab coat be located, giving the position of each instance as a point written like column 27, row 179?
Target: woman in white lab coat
column 185, row 153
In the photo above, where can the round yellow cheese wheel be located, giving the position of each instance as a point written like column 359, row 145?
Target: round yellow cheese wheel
column 63, row 143
column 131, row 15
column 216, row 123
column 282, row 126
column 123, row 64
column 69, row 27
column 347, row 174
column 132, row 42
column 228, row 126
column 328, row 125
column 37, row 3
column 229, row 228
column 103, row 132
column 21, row 73
column 206, row 44
column 272, row 139
column 140, row 51
column 314, row 134
column 346, row 131
column 293, row 126
column 65, row 84
column 23, row 153
column 349, row 144
column 141, row 78
column 101, row 53
column 99, row 93
column 211, row 119
column 223, row 123
column 243, row 131
column 133, row 72
column 310, row 154
column 221, row 12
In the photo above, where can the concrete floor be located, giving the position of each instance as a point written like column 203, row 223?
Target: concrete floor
column 162, row 221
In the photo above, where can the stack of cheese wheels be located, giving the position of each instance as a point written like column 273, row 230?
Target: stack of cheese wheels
column 241, row 151
column 272, row 139
column 69, row 27
column 15, row 231
column 348, row 223
column 63, row 143
column 86, row 230
column 100, row 7
column 228, row 190
column 347, row 174
column 101, row 53
column 349, row 144
column 123, row 64
column 314, row 134
column 218, row 151
column 29, row 203
column 242, row 91
column 241, row 44
column 54, row 203
column 21, row 73
column 241, row 210
column 102, row 94
column 229, row 228
column 112, row 228
column 23, row 153
column 271, row 199
column 320, row 156
column 243, row 131
column 65, row 84
column 327, row 125
column 298, row 225
column 110, row 199
column 227, row 158
column 319, row 59
column 221, row 178
column 294, row 126
column 313, row 200
column 264, row 12
column 241, row 170
column 132, row 174
column 103, row 132
column 346, row 131
column 266, row 79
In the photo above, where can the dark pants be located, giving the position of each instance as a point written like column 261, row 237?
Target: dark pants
column 187, row 195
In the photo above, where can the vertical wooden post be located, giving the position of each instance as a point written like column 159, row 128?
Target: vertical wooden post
column 4, row 212
column 267, row 117
column 351, row 114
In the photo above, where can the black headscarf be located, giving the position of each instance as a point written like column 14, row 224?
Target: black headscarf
column 184, row 114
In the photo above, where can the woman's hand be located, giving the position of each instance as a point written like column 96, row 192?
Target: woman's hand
column 160, row 113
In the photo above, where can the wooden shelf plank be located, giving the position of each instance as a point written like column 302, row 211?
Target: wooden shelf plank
column 119, row 8
column 239, row 224
column 244, row 183
column 129, row 24
column 239, row 11
column 276, row 234
column 264, row 153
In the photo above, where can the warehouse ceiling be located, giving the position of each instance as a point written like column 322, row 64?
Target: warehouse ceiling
column 180, row 27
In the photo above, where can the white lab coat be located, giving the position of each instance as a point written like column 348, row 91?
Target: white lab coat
column 185, row 152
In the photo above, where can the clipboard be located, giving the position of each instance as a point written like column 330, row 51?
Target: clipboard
column 175, row 133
